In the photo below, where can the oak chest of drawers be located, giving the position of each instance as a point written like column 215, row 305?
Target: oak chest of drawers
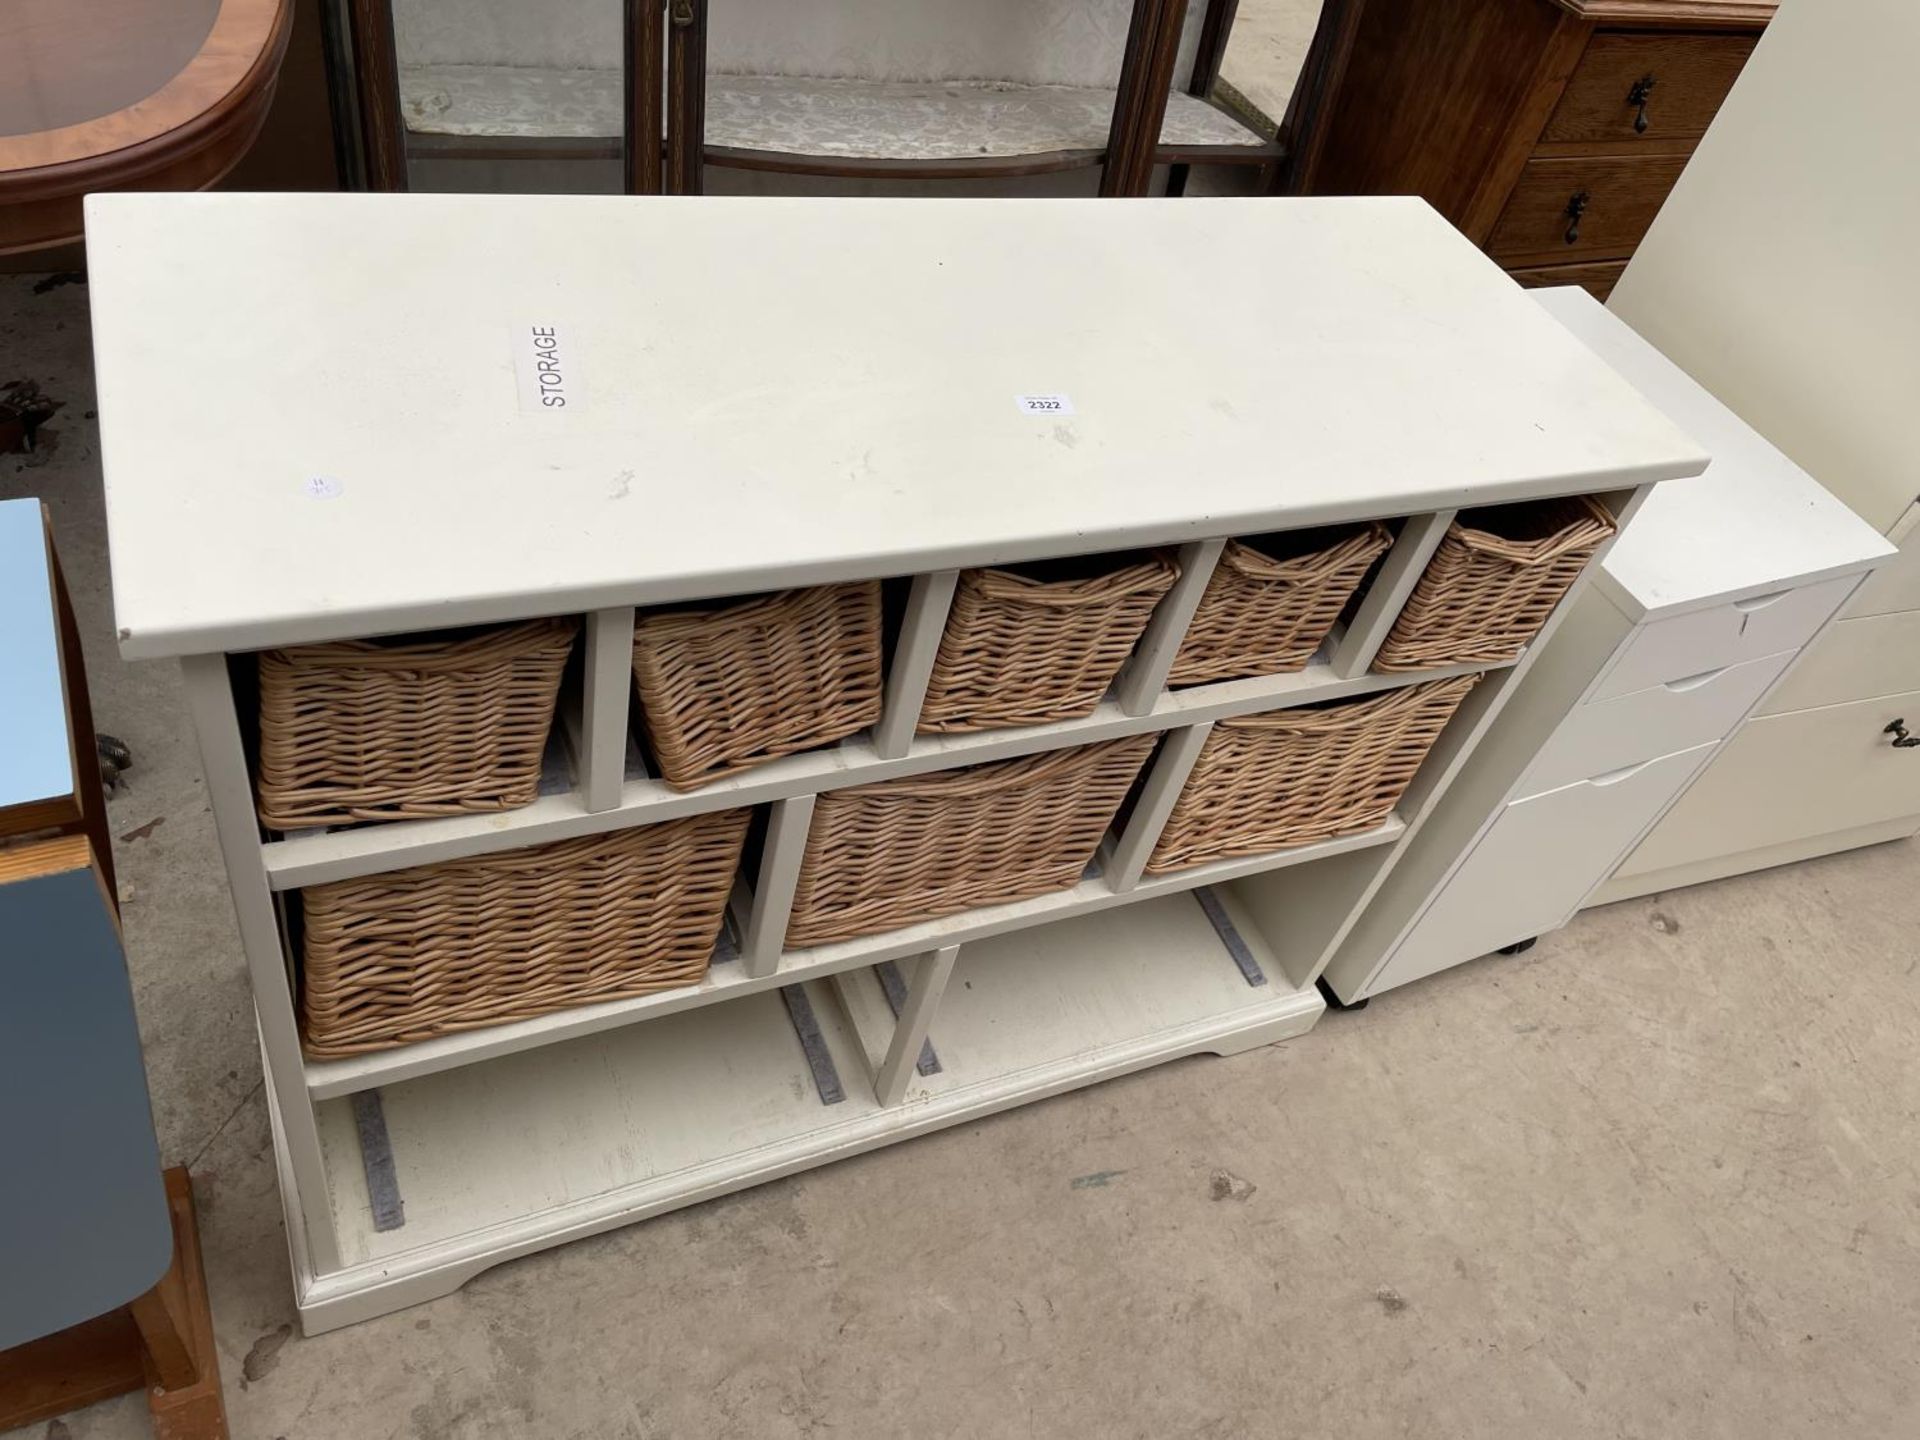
column 1549, row 131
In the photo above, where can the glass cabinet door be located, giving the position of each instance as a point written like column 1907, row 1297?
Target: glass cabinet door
column 1034, row 97
column 521, row 96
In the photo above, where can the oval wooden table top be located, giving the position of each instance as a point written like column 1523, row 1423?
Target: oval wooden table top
column 126, row 94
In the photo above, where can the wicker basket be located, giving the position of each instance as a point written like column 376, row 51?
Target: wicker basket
column 723, row 690
column 1266, row 610
column 394, row 958
column 901, row 851
column 1291, row 777
column 361, row 730
column 1026, row 649
column 1495, row 579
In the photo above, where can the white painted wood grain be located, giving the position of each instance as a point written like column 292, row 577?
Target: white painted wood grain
column 786, row 846
column 929, row 983
column 216, row 725
column 330, row 1078
column 609, row 684
column 929, row 599
column 365, row 850
column 505, row 1159
column 1387, row 595
column 1172, row 763
column 1145, row 674
column 747, row 429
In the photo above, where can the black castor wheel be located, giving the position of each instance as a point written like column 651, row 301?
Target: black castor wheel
column 1519, row 947
column 1334, row 1002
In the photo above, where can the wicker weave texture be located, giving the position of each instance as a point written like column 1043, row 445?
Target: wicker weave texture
column 1291, row 777
column 1024, row 651
column 357, row 730
column 723, row 690
column 395, row 958
column 1266, row 615
column 901, row 851
column 1495, row 579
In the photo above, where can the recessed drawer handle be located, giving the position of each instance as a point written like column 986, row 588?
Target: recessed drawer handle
column 1642, row 91
column 1901, row 739
column 1576, row 207
column 1760, row 602
column 1614, row 777
column 1694, row 682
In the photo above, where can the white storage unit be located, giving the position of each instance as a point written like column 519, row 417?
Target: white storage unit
column 1705, row 603
column 1779, row 275
column 772, row 393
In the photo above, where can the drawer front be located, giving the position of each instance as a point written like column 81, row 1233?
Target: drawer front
column 1730, row 634
column 1598, row 278
column 1648, row 87
column 1615, row 197
column 1856, row 660
column 1609, row 735
column 1535, row 864
column 1789, row 777
column 1896, row 584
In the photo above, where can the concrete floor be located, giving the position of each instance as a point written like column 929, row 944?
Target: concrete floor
column 1656, row 1178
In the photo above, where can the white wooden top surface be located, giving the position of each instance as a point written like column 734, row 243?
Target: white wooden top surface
column 1754, row 521
column 783, row 390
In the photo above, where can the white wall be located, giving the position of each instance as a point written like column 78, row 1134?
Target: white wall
column 1784, row 271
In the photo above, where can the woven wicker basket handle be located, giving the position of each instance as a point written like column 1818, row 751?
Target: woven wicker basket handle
column 1353, row 714
column 949, row 785
column 1581, row 533
column 510, row 642
column 1151, row 575
column 1256, row 566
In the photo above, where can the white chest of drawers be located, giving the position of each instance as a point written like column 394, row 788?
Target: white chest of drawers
column 1779, row 273
column 1696, row 616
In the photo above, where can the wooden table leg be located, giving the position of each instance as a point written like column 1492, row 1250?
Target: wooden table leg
column 162, row 1340
column 176, row 1323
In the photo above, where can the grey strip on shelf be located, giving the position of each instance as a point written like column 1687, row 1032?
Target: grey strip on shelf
column 376, row 1157
column 826, row 1079
column 1217, row 916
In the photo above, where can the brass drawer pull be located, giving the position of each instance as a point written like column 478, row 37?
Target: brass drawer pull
column 1642, row 90
column 1901, row 739
column 1576, row 207
column 682, row 14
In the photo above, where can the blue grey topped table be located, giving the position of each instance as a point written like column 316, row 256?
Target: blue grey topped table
column 93, row 1300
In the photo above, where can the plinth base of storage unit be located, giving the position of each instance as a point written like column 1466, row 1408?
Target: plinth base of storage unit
column 516, row 1154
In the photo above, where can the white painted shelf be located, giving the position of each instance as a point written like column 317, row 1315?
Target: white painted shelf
column 802, row 115
column 838, row 406
column 329, row 1078
column 552, row 1144
column 316, row 857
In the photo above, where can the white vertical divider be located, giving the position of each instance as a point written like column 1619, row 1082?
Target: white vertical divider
column 223, row 756
column 913, row 654
column 1145, row 675
column 1419, row 537
column 929, row 983
column 1170, row 770
column 787, row 822
column 603, row 706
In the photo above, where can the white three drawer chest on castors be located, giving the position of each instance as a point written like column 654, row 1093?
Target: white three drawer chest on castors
column 898, row 577
column 1695, row 616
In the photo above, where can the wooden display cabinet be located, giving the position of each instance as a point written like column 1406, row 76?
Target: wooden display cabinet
column 646, row 96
